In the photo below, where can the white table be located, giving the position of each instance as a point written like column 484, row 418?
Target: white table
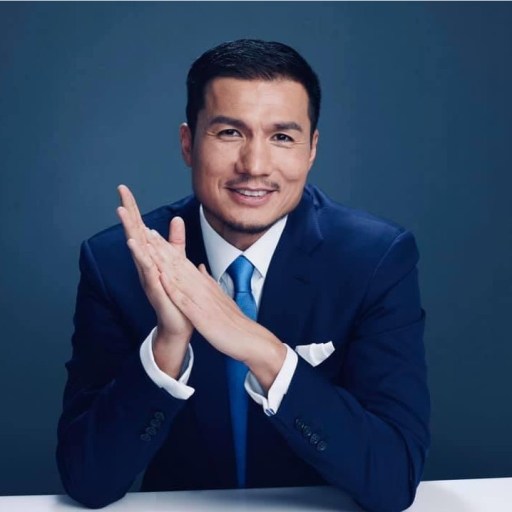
column 481, row 495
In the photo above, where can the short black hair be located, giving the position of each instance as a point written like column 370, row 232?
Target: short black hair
column 250, row 59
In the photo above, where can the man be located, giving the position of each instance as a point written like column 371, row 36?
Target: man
column 173, row 377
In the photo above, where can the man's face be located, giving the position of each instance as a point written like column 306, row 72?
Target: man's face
column 251, row 154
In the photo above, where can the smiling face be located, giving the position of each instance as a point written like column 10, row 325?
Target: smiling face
column 250, row 155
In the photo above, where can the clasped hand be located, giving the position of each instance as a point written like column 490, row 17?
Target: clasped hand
column 186, row 297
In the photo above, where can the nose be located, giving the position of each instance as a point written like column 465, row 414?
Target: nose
column 254, row 158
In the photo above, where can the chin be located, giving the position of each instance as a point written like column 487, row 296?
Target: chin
column 247, row 228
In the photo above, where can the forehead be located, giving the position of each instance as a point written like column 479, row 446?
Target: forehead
column 276, row 97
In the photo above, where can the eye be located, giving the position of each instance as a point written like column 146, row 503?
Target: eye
column 282, row 137
column 229, row 132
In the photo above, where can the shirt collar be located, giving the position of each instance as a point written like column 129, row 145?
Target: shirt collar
column 221, row 253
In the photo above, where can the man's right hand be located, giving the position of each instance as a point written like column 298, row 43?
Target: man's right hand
column 173, row 329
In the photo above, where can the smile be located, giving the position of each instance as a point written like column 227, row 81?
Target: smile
column 252, row 193
column 251, row 197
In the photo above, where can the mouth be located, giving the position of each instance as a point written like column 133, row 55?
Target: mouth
column 250, row 196
column 248, row 192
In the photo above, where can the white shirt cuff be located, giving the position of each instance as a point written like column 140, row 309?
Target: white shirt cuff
column 177, row 388
column 272, row 401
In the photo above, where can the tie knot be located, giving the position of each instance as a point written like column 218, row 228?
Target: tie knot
column 241, row 272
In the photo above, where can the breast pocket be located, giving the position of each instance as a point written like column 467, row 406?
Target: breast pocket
column 325, row 357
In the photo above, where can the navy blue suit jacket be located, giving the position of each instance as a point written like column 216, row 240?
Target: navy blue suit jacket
column 358, row 421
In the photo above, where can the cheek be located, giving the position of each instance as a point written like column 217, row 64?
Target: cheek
column 215, row 161
column 296, row 170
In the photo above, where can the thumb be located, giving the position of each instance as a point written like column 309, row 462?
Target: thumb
column 177, row 234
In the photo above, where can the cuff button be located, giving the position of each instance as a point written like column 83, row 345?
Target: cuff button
column 321, row 446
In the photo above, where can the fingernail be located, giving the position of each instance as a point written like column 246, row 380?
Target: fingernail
column 154, row 233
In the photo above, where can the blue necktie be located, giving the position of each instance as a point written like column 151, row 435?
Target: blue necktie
column 240, row 272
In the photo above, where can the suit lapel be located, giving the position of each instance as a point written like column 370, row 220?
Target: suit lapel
column 288, row 292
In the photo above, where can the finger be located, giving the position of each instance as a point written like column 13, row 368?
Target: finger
column 177, row 234
column 127, row 198
column 127, row 205
column 130, row 204
column 159, row 243
column 148, row 274
column 204, row 272
column 168, row 253
column 156, row 254
column 140, row 256
column 129, row 227
column 154, row 236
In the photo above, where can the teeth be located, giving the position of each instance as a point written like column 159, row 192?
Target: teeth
column 252, row 193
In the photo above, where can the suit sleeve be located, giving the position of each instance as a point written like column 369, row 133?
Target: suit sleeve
column 114, row 417
column 368, row 433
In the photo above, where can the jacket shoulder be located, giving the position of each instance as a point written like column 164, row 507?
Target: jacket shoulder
column 337, row 221
column 357, row 240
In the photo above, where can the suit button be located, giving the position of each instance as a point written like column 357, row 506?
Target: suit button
column 321, row 446
column 159, row 415
column 306, row 431
column 314, row 439
column 151, row 431
column 299, row 424
column 145, row 437
column 155, row 423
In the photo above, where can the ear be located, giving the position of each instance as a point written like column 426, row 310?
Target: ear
column 314, row 144
column 186, row 144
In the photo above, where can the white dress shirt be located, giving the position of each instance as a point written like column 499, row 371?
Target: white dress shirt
column 220, row 255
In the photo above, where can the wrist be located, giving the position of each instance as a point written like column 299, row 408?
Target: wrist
column 165, row 337
column 169, row 352
column 266, row 360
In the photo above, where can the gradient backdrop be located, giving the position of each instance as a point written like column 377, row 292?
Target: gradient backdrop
column 416, row 127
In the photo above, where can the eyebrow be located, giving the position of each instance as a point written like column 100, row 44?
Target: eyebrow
column 227, row 120
column 237, row 123
column 292, row 125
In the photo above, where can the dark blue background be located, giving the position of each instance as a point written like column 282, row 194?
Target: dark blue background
column 415, row 127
